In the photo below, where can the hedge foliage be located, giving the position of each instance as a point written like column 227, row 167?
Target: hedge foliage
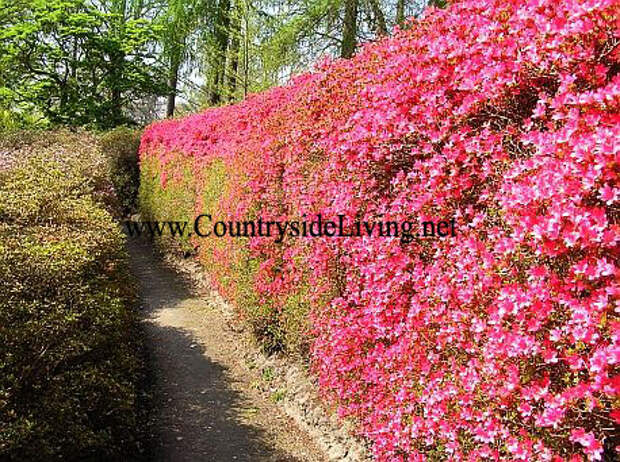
column 120, row 146
column 502, row 343
column 67, row 357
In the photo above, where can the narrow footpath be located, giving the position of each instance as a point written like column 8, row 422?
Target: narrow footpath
column 205, row 406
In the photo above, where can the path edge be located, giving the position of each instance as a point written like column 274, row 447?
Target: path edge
column 301, row 402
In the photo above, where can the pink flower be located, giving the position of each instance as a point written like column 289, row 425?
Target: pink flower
column 593, row 448
column 500, row 114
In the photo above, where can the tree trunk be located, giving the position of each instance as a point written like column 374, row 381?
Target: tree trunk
column 349, row 30
column 246, row 47
column 118, row 64
column 173, row 77
column 400, row 12
column 222, row 35
column 233, row 53
column 379, row 17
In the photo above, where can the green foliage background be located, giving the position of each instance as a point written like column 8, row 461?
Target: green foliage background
column 75, row 62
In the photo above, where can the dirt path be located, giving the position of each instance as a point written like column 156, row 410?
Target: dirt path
column 205, row 407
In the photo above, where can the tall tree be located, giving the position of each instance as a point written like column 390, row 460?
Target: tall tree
column 174, row 65
column 379, row 17
column 246, row 46
column 118, row 19
column 74, row 61
column 182, row 20
column 349, row 29
column 217, row 64
column 234, row 50
column 400, row 12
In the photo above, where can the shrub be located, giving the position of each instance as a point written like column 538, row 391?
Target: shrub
column 502, row 343
column 178, row 204
column 67, row 361
column 12, row 119
column 121, row 145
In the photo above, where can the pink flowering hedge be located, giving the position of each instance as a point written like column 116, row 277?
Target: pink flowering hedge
column 502, row 343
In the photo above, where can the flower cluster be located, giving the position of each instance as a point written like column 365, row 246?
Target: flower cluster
column 502, row 343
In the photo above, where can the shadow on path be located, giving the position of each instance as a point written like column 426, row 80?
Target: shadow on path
column 196, row 415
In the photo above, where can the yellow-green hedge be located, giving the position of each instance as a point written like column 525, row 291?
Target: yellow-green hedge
column 67, row 359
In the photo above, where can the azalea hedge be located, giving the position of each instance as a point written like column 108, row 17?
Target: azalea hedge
column 502, row 343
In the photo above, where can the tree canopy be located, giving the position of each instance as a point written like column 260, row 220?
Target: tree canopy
column 77, row 62
column 109, row 62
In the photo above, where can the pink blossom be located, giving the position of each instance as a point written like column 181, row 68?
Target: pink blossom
column 501, row 114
